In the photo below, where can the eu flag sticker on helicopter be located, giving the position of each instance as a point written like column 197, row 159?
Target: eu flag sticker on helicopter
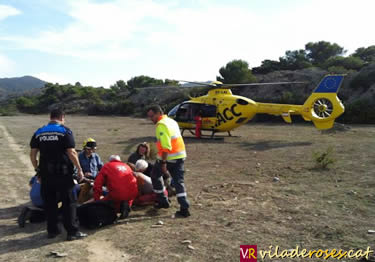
column 329, row 84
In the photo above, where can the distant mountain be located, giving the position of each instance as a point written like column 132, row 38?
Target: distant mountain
column 19, row 85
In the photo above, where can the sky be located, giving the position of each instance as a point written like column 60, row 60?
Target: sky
column 98, row 42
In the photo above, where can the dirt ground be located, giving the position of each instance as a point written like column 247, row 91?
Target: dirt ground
column 260, row 187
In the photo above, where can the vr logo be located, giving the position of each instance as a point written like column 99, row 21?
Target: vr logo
column 248, row 253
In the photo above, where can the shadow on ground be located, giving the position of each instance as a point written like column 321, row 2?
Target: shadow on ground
column 36, row 239
column 10, row 212
column 267, row 145
column 133, row 142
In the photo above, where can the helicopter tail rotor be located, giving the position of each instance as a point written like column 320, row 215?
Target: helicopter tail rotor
column 323, row 106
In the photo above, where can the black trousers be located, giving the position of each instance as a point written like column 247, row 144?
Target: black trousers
column 52, row 193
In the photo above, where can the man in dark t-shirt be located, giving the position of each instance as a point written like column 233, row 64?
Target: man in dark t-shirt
column 55, row 144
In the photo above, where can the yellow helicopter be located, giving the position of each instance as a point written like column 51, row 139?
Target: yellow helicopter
column 221, row 111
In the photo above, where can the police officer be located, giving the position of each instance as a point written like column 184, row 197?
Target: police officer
column 171, row 156
column 55, row 144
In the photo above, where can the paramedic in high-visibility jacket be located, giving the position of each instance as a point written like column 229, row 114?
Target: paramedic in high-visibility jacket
column 171, row 157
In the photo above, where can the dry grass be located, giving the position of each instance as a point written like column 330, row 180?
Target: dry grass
column 231, row 187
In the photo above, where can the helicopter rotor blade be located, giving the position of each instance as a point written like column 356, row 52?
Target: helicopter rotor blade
column 263, row 84
column 198, row 83
column 220, row 85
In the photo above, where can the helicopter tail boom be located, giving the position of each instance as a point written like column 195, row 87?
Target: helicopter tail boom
column 322, row 107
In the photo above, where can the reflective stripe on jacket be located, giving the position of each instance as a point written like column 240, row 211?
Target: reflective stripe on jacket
column 169, row 139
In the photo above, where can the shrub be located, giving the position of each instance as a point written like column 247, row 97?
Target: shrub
column 360, row 111
column 363, row 79
column 324, row 159
column 337, row 70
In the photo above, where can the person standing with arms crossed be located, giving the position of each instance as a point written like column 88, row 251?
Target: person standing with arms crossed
column 171, row 156
column 55, row 144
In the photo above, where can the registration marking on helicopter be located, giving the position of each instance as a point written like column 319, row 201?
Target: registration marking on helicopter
column 221, row 92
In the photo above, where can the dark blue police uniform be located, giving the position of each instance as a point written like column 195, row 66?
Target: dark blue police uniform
column 56, row 172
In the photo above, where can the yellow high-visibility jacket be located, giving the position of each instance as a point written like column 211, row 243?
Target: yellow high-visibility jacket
column 169, row 139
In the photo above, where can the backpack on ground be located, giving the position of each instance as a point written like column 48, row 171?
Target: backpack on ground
column 96, row 214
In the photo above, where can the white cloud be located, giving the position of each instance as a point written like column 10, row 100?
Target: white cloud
column 52, row 78
column 6, row 11
column 85, row 80
column 167, row 40
column 99, row 31
column 7, row 66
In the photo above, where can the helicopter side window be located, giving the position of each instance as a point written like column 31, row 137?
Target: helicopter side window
column 187, row 112
column 173, row 111
column 208, row 111
column 194, row 110
column 182, row 113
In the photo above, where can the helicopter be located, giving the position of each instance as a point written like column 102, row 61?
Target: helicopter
column 221, row 111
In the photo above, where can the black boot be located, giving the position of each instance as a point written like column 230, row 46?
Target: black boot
column 124, row 210
column 183, row 212
column 164, row 204
column 24, row 216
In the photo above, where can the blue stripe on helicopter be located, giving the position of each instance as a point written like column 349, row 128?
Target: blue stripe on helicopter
column 329, row 84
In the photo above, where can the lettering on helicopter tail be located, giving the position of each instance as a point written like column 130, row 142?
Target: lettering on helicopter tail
column 228, row 114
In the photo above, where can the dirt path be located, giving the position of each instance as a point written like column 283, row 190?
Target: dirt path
column 16, row 169
column 16, row 149
column 106, row 252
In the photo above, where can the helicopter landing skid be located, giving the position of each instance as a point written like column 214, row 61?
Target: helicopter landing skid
column 212, row 136
column 229, row 135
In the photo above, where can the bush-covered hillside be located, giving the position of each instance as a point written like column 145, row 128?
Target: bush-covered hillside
column 308, row 65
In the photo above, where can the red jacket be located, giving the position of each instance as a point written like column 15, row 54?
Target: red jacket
column 119, row 180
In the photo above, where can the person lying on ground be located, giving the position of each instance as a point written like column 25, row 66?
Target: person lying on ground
column 146, row 195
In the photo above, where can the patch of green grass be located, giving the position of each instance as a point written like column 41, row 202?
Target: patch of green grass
column 324, row 159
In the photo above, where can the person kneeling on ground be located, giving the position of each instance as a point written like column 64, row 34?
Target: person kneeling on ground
column 91, row 164
column 34, row 213
column 120, row 182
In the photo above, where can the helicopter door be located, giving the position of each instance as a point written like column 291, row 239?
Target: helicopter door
column 208, row 114
column 186, row 112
